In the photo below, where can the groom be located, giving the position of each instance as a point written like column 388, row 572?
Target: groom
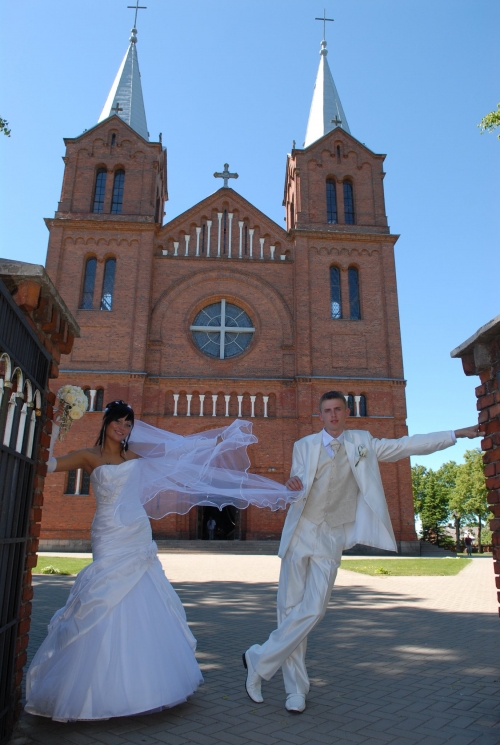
column 343, row 504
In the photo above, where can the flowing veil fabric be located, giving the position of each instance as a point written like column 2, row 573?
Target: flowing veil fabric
column 175, row 473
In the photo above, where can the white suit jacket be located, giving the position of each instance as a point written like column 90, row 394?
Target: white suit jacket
column 372, row 526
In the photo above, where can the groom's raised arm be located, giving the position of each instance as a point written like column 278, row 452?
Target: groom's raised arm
column 393, row 450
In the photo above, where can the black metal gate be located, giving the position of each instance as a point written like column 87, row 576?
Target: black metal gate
column 24, row 370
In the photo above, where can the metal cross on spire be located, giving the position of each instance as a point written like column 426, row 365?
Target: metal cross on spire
column 116, row 109
column 136, row 7
column 225, row 175
column 324, row 19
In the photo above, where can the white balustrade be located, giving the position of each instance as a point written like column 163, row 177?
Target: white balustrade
column 230, row 231
column 252, row 401
column 202, row 399
column 214, row 404
column 240, row 251
column 176, row 248
column 219, row 234
column 31, row 433
column 261, row 247
column 265, row 399
column 357, row 400
column 250, row 233
column 189, row 396
column 92, row 395
column 209, row 227
column 20, row 430
column 198, row 233
column 186, row 240
column 272, row 249
column 227, row 399
column 240, row 403
column 78, row 482
column 176, row 402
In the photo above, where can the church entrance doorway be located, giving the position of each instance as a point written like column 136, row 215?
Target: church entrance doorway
column 227, row 523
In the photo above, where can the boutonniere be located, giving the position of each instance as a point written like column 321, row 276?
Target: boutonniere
column 362, row 452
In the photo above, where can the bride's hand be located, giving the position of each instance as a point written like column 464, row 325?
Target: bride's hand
column 470, row 432
column 294, row 484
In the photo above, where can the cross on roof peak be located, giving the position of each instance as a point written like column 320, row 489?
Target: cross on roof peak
column 324, row 19
column 136, row 7
column 225, row 175
column 116, row 108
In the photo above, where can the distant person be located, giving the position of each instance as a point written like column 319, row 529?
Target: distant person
column 211, row 525
column 468, row 544
column 342, row 504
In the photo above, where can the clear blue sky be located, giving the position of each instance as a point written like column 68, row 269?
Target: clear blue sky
column 228, row 81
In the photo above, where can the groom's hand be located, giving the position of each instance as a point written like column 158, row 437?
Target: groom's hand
column 469, row 432
column 294, row 484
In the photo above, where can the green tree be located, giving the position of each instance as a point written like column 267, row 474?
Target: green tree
column 491, row 121
column 4, row 127
column 431, row 494
column 469, row 496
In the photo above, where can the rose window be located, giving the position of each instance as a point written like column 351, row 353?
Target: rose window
column 222, row 330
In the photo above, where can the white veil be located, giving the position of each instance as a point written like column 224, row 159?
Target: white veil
column 175, row 473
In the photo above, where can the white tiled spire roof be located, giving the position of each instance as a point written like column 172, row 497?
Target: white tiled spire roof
column 126, row 91
column 326, row 110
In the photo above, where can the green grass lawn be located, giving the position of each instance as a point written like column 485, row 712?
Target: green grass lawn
column 61, row 565
column 406, row 567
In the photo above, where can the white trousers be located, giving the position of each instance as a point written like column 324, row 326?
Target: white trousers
column 307, row 575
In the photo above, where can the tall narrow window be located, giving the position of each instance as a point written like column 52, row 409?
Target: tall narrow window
column 350, row 404
column 331, row 201
column 362, row 406
column 99, row 400
column 87, row 396
column 335, row 295
column 108, row 285
column 85, row 487
column 354, row 304
column 348, row 203
column 99, row 190
column 292, row 214
column 117, row 201
column 71, row 482
column 88, row 284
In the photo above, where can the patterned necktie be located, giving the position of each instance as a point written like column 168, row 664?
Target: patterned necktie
column 335, row 446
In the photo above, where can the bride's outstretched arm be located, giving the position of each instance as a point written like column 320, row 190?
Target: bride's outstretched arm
column 70, row 462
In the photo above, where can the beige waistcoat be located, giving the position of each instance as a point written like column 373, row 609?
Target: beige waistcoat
column 334, row 493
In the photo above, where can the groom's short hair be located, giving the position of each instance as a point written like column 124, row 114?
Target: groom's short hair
column 331, row 395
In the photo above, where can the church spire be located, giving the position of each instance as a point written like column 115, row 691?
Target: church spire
column 125, row 97
column 326, row 110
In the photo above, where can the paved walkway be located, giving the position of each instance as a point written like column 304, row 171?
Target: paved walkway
column 401, row 660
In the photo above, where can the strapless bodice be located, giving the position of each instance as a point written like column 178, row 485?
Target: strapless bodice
column 108, row 480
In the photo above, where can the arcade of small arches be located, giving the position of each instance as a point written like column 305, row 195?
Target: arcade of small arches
column 20, row 406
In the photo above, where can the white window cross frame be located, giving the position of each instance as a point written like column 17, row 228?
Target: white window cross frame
column 223, row 329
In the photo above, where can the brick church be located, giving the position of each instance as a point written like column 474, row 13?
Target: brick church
column 221, row 313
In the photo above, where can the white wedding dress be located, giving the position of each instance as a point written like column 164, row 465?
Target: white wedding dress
column 121, row 644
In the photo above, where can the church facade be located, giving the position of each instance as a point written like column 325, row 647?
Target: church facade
column 221, row 313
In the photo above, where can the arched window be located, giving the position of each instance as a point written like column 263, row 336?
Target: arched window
column 99, row 190
column 354, row 304
column 71, row 482
column 78, row 483
column 331, row 201
column 292, row 214
column 362, row 406
column 108, row 285
column 88, row 284
column 117, row 201
column 85, row 487
column 348, row 203
column 335, row 295
column 99, row 400
column 87, row 396
column 350, row 404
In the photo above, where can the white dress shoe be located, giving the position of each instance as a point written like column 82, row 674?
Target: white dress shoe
column 253, row 681
column 295, row 702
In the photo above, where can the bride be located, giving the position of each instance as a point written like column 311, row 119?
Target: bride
column 121, row 644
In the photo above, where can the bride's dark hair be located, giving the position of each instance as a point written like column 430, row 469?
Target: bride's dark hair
column 114, row 411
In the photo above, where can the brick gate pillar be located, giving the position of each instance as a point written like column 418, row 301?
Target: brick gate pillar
column 480, row 355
